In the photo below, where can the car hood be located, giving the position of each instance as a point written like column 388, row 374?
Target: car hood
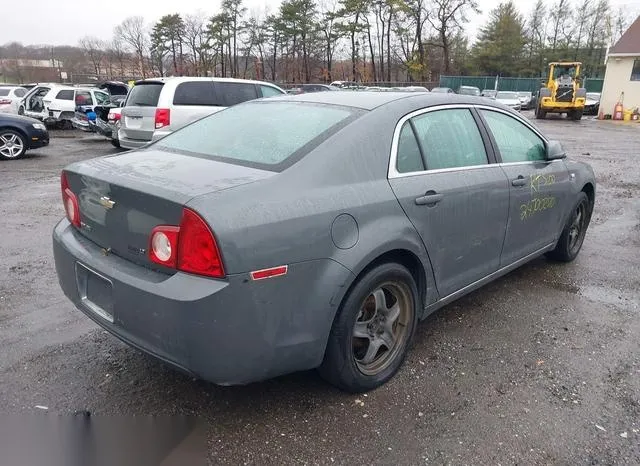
column 17, row 118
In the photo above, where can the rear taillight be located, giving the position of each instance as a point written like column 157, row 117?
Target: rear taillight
column 70, row 201
column 190, row 247
column 163, row 117
column 5, row 101
column 114, row 116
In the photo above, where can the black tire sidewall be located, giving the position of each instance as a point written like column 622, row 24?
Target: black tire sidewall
column 339, row 366
column 22, row 138
column 563, row 251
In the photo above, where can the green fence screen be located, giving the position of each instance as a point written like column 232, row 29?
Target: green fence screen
column 508, row 84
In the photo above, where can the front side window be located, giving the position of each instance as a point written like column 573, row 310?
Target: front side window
column 102, row 98
column 450, row 139
column 264, row 134
column 635, row 72
column 516, row 142
column 269, row 91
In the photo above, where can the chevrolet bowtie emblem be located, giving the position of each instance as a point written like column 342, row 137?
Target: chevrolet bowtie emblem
column 106, row 202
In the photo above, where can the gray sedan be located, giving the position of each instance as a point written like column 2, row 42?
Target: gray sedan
column 312, row 231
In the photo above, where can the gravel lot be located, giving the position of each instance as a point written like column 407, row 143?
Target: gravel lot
column 541, row 366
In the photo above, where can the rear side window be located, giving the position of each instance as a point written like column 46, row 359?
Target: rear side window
column 19, row 92
column 65, row 95
column 4, row 92
column 196, row 93
column 84, row 98
column 450, row 139
column 262, row 134
column 145, row 94
column 236, row 93
column 409, row 158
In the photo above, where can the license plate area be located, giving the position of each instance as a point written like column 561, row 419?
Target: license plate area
column 134, row 122
column 96, row 292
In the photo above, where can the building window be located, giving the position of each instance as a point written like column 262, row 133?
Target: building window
column 635, row 72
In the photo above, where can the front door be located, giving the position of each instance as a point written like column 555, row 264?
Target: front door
column 457, row 200
column 538, row 186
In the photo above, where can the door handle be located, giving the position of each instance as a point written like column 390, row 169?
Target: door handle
column 520, row 181
column 430, row 198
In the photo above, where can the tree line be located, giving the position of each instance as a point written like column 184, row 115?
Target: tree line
column 357, row 40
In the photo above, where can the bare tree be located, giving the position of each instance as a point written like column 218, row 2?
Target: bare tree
column 94, row 48
column 447, row 18
column 132, row 32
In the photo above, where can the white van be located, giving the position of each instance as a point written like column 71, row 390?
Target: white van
column 158, row 106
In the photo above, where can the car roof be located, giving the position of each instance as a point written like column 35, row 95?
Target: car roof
column 180, row 79
column 369, row 100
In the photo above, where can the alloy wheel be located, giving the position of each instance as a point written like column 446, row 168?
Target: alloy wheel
column 11, row 145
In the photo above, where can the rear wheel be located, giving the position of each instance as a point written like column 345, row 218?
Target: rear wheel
column 576, row 115
column 12, row 144
column 370, row 335
column 573, row 234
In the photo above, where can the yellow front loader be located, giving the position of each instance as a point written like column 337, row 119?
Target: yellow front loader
column 562, row 92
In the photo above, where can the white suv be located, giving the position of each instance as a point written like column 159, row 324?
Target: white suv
column 54, row 102
column 158, row 106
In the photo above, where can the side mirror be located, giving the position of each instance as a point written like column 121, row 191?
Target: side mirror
column 555, row 151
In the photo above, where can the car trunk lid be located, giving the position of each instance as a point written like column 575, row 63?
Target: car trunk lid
column 123, row 198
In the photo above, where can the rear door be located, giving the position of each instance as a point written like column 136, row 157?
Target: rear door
column 443, row 174
column 139, row 114
column 539, row 188
column 193, row 100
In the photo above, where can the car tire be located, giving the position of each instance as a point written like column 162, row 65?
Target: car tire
column 576, row 115
column 13, row 145
column 574, row 231
column 372, row 330
column 115, row 143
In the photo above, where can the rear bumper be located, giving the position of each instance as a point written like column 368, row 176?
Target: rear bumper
column 131, row 143
column 231, row 331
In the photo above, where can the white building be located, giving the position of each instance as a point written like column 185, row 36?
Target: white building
column 623, row 72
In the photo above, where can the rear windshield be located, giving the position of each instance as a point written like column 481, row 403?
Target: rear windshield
column 145, row 94
column 4, row 91
column 268, row 135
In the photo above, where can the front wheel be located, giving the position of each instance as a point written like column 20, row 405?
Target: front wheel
column 540, row 114
column 370, row 335
column 573, row 234
column 12, row 145
column 115, row 143
column 576, row 115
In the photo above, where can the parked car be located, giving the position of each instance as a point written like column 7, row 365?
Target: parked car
column 54, row 103
column 489, row 93
column 316, row 88
column 10, row 97
column 510, row 99
column 592, row 104
column 342, row 84
column 527, row 101
column 442, row 90
column 248, row 244
column 98, row 119
column 469, row 90
column 19, row 134
column 157, row 107
column 414, row 89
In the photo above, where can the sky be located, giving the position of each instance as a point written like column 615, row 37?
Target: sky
column 64, row 22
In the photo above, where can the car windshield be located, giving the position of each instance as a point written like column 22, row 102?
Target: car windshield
column 261, row 134
column 145, row 94
column 507, row 95
column 524, row 94
column 469, row 91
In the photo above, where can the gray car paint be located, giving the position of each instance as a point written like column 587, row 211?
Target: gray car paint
column 237, row 330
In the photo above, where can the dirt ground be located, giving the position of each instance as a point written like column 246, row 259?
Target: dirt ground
column 539, row 367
